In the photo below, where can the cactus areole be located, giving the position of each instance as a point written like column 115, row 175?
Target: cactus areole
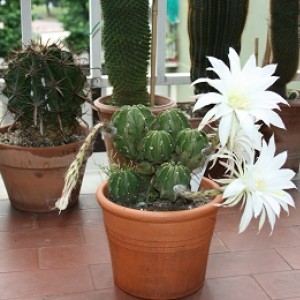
column 163, row 151
column 44, row 87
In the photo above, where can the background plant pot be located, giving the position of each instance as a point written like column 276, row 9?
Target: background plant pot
column 34, row 177
column 288, row 139
column 159, row 255
column 105, row 113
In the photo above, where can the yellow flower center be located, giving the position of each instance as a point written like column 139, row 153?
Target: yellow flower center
column 260, row 184
column 238, row 100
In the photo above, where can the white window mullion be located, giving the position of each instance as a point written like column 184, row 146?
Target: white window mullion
column 26, row 20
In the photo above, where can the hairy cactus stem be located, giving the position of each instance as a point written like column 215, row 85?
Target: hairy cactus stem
column 73, row 172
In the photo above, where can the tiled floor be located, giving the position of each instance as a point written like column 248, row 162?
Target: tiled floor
column 66, row 257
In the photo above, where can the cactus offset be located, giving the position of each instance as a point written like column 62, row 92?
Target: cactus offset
column 190, row 144
column 168, row 176
column 172, row 121
column 44, row 87
column 157, row 146
column 131, row 124
column 123, row 186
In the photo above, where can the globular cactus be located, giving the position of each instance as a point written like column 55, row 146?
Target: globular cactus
column 168, row 176
column 44, row 86
column 172, row 121
column 126, row 41
column 163, row 150
column 123, row 186
column 157, row 146
column 131, row 124
column 190, row 144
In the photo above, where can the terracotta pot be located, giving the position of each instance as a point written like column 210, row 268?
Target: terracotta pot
column 159, row 255
column 106, row 112
column 34, row 177
column 288, row 139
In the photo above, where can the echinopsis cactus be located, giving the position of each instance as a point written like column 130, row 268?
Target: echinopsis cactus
column 44, row 86
column 163, row 151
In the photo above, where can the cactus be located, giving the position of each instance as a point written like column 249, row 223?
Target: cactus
column 126, row 41
column 163, row 151
column 190, row 144
column 157, row 146
column 213, row 27
column 44, row 87
column 131, row 124
column 284, row 42
column 168, row 176
column 123, row 186
column 171, row 121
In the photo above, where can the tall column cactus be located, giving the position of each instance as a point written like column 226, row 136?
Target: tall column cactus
column 126, row 42
column 284, row 42
column 213, row 27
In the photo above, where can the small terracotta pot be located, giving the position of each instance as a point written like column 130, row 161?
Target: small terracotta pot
column 34, row 177
column 159, row 255
column 106, row 112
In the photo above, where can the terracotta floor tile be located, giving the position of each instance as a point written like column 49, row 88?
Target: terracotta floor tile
column 45, row 282
column 71, row 217
column 18, row 260
column 114, row 294
column 231, row 288
column 73, row 256
column 102, row 275
column 87, row 202
column 281, row 237
column 17, row 220
column 217, row 246
column 41, row 238
column 280, row 285
column 94, row 234
column 291, row 255
column 244, row 263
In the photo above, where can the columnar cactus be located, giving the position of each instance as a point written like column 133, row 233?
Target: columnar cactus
column 126, row 41
column 44, row 86
column 284, row 42
column 213, row 27
column 163, row 149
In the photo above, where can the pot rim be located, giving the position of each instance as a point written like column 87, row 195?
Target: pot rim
column 158, row 216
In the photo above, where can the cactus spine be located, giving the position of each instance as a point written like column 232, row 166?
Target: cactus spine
column 44, row 87
column 126, row 41
column 213, row 27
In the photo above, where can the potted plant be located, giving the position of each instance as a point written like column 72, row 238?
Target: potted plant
column 283, row 49
column 45, row 90
column 159, row 225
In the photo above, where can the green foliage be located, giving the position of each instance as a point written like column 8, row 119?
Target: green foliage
column 126, row 42
column 76, row 20
column 44, row 86
column 163, row 158
column 10, row 34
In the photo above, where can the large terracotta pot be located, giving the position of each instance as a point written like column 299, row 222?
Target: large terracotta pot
column 106, row 112
column 288, row 139
column 34, row 177
column 159, row 255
